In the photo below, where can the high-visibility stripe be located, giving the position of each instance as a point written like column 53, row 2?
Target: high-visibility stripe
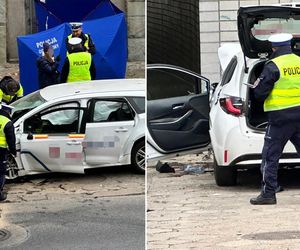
column 3, row 121
column 40, row 136
column 76, row 135
column 286, row 91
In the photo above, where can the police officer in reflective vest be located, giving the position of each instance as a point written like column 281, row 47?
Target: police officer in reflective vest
column 10, row 90
column 7, row 144
column 279, row 87
column 86, row 40
column 79, row 65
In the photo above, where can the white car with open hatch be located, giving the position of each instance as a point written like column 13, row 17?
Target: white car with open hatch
column 183, row 117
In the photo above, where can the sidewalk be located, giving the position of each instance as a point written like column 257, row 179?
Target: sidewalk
column 191, row 212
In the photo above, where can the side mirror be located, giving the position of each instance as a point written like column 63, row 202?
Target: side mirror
column 30, row 136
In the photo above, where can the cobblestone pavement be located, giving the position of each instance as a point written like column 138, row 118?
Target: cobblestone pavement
column 188, row 211
column 105, row 182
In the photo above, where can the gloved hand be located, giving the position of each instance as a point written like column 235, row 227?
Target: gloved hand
column 57, row 59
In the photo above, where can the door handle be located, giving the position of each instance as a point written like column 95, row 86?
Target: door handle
column 73, row 142
column 178, row 106
column 121, row 130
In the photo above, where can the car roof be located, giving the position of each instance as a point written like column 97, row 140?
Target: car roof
column 92, row 87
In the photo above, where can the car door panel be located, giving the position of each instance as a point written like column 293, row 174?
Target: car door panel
column 179, row 128
column 104, row 142
column 108, row 130
column 53, row 153
column 52, row 145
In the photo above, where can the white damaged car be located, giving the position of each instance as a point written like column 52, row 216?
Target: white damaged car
column 77, row 126
column 184, row 117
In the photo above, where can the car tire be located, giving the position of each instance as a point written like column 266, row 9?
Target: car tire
column 138, row 157
column 225, row 175
column 12, row 168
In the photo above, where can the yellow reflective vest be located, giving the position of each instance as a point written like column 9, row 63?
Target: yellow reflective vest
column 8, row 98
column 3, row 121
column 286, row 91
column 79, row 70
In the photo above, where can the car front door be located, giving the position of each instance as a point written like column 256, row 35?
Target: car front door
column 108, row 131
column 51, row 141
column 177, row 109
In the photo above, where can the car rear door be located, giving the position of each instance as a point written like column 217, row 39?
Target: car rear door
column 109, row 128
column 177, row 109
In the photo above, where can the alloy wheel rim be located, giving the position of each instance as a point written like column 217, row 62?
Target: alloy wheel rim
column 140, row 158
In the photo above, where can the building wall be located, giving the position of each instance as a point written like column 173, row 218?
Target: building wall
column 23, row 23
column 2, row 32
column 173, row 33
column 218, row 25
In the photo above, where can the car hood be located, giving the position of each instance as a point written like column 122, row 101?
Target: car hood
column 257, row 23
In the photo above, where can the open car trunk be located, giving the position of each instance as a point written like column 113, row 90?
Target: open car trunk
column 256, row 117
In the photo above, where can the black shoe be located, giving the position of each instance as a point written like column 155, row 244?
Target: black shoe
column 3, row 196
column 260, row 200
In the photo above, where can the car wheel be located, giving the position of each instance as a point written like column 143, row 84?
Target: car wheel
column 138, row 157
column 12, row 168
column 225, row 175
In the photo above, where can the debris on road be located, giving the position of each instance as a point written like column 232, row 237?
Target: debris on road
column 164, row 168
column 196, row 169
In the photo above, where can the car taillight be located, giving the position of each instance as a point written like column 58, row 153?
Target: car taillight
column 232, row 105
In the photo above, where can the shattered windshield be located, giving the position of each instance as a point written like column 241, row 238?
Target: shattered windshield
column 27, row 103
column 264, row 28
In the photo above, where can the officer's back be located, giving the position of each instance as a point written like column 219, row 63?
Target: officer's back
column 79, row 65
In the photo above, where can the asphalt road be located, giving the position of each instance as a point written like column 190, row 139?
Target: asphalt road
column 103, row 210
column 106, row 223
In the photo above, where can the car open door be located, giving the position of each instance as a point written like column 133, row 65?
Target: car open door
column 108, row 130
column 177, row 109
column 51, row 141
column 257, row 23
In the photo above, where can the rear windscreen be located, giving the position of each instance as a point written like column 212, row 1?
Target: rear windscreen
column 264, row 28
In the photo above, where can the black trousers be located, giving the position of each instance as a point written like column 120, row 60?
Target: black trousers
column 3, row 160
column 276, row 138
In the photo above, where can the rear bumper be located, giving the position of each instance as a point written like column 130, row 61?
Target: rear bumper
column 254, row 160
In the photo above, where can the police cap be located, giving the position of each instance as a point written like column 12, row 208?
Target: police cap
column 280, row 39
column 75, row 26
column 75, row 40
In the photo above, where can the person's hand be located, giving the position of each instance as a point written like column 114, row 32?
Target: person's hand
column 57, row 59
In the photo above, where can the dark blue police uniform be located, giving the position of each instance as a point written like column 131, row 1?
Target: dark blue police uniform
column 284, row 125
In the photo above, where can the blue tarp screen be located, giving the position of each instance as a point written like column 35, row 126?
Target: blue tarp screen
column 101, row 19
column 109, row 35
column 51, row 13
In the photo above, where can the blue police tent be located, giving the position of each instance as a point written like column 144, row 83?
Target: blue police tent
column 51, row 13
column 109, row 34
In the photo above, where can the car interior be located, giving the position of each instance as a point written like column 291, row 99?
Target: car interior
column 257, row 118
column 177, row 109
column 123, row 113
column 65, row 122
